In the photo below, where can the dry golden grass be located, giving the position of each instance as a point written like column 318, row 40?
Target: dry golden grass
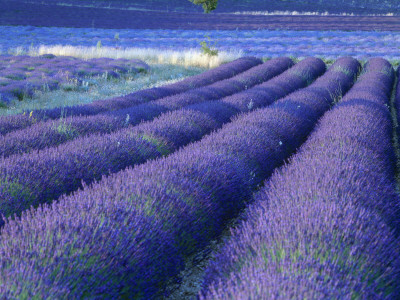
column 186, row 58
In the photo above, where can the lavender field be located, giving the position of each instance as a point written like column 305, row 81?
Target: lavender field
column 146, row 181
column 135, row 163
column 261, row 43
column 70, row 13
column 20, row 76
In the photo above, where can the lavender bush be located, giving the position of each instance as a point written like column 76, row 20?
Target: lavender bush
column 53, row 133
column 325, row 226
column 12, row 123
column 224, row 71
column 20, row 76
column 182, row 201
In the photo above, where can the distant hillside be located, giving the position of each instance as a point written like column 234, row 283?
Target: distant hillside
column 361, row 7
column 15, row 12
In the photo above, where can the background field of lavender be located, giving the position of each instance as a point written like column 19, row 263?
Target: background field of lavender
column 231, row 6
column 260, row 43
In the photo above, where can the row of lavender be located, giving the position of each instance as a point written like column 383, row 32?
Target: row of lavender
column 260, row 43
column 326, row 225
column 22, row 75
column 12, row 123
column 52, row 133
column 132, row 231
column 42, row 176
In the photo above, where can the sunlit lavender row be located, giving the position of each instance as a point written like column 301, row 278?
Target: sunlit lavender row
column 133, row 230
column 260, row 43
column 325, row 226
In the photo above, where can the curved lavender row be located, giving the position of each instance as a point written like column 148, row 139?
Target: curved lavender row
column 42, row 176
column 222, row 72
column 322, row 227
column 11, row 123
column 191, row 193
column 53, row 133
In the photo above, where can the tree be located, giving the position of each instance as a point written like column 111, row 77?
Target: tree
column 208, row 5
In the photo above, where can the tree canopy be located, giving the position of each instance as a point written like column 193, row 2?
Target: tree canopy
column 208, row 5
